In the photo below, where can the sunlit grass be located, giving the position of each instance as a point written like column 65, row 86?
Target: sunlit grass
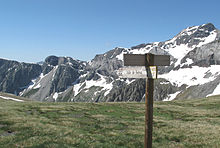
column 188, row 123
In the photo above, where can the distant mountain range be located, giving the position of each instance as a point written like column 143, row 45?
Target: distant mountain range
column 194, row 72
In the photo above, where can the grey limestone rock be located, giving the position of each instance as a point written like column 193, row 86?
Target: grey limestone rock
column 14, row 76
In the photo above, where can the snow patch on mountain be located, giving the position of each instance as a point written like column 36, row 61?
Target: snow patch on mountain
column 188, row 62
column 55, row 96
column 164, row 83
column 128, row 81
column 10, row 98
column 190, row 30
column 179, row 52
column 76, row 88
column 172, row 96
column 215, row 92
column 141, row 50
column 192, row 76
column 208, row 39
column 54, row 72
column 101, row 82
column 37, row 86
column 34, row 84
column 120, row 56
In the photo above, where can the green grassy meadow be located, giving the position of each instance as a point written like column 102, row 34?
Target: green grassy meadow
column 176, row 124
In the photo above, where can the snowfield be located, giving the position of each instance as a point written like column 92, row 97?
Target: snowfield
column 192, row 76
column 9, row 98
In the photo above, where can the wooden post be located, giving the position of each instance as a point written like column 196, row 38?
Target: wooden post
column 149, row 104
column 148, row 60
column 149, row 112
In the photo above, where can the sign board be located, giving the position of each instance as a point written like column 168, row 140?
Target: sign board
column 138, row 72
column 144, row 66
column 140, row 60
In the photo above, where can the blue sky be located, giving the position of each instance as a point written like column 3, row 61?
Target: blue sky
column 31, row 30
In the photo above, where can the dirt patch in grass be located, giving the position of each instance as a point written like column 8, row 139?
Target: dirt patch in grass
column 8, row 133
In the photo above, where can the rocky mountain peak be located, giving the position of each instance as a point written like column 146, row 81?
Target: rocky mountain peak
column 52, row 60
column 193, row 36
column 55, row 61
column 207, row 27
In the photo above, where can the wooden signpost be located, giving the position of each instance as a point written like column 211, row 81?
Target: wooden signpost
column 144, row 66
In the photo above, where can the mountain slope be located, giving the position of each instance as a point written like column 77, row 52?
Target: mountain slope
column 194, row 72
column 58, row 74
column 14, row 75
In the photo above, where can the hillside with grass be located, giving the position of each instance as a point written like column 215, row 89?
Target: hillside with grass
column 184, row 123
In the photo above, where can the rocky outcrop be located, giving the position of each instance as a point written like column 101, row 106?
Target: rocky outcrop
column 14, row 75
column 106, row 64
column 205, row 55
column 199, row 91
column 59, row 73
